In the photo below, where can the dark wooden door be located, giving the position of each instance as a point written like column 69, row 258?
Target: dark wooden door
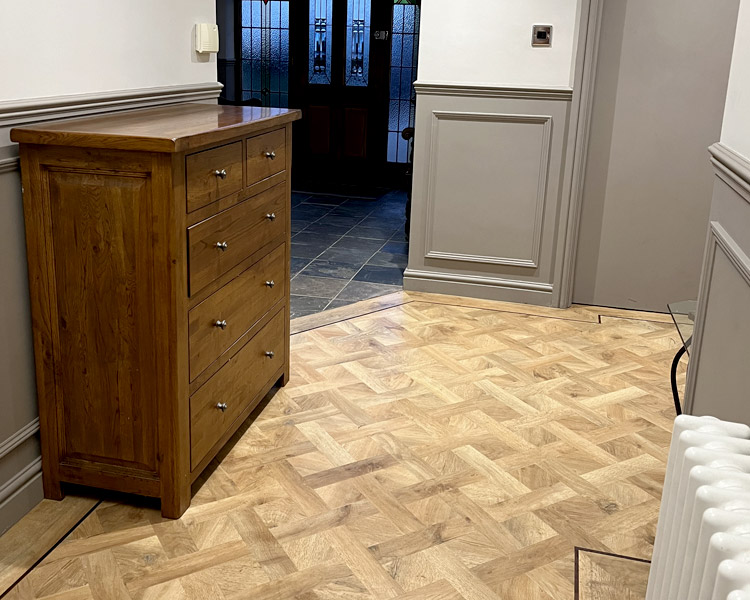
column 340, row 80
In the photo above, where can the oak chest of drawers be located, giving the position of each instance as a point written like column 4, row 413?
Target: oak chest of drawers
column 158, row 250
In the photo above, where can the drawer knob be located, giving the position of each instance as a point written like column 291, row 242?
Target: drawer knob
column 222, row 174
column 270, row 354
column 271, row 155
column 222, row 246
column 270, row 283
column 271, row 216
column 222, row 406
column 221, row 324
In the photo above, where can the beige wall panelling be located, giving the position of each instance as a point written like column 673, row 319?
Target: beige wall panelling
column 487, row 191
column 659, row 97
column 718, row 376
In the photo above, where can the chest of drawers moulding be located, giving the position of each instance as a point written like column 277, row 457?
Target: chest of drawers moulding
column 139, row 226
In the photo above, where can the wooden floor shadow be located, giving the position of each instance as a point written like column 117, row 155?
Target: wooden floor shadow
column 603, row 576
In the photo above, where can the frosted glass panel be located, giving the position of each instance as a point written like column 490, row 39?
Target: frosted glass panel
column 321, row 41
column 265, row 52
column 358, row 43
column 404, row 49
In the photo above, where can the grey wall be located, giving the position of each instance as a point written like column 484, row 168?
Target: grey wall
column 661, row 83
column 718, row 375
column 20, row 473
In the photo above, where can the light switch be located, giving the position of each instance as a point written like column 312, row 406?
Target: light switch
column 206, row 37
column 541, row 36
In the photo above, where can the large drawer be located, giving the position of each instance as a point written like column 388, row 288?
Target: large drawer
column 213, row 174
column 219, row 402
column 220, row 320
column 226, row 239
column 266, row 155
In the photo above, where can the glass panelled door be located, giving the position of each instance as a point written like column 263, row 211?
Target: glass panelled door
column 340, row 81
column 265, row 52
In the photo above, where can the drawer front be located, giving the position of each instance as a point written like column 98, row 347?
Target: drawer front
column 266, row 155
column 216, row 405
column 213, row 174
column 219, row 321
column 223, row 241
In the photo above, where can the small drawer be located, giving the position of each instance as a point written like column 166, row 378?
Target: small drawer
column 218, row 403
column 266, row 156
column 220, row 320
column 213, row 174
column 224, row 240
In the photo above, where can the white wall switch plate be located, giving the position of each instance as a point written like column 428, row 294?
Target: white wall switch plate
column 206, row 37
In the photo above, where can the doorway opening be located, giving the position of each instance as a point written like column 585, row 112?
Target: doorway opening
column 349, row 65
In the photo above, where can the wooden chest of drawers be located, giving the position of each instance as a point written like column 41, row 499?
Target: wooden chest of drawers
column 158, row 249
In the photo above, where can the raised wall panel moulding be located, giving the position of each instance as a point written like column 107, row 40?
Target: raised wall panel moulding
column 529, row 286
column 9, row 164
column 732, row 167
column 532, row 261
column 437, row 88
column 22, row 478
column 19, row 112
column 719, row 240
column 18, row 438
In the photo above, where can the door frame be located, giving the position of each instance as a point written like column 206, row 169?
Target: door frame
column 584, row 79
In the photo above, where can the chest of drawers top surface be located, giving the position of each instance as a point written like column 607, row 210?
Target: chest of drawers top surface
column 176, row 128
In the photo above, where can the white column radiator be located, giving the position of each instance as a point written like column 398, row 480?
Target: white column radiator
column 702, row 546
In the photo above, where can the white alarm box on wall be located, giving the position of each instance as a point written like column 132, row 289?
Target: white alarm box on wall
column 206, row 37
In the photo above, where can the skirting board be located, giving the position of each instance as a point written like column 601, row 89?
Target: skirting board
column 485, row 288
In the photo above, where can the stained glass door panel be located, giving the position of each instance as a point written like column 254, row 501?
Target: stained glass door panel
column 404, row 52
column 265, row 52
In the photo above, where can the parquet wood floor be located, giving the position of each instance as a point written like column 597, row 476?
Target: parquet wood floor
column 609, row 577
column 438, row 448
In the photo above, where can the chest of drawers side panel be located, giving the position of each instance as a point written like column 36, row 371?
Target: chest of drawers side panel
column 99, row 225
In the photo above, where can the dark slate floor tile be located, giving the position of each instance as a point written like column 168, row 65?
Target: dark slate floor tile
column 351, row 211
column 387, row 259
column 297, row 264
column 382, row 222
column 362, row 290
column 339, row 303
column 343, row 220
column 349, row 256
column 309, row 212
column 307, row 250
column 301, row 306
column 373, row 233
column 314, row 238
column 356, row 243
column 378, row 274
column 326, row 200
column 298, row 226
column 323, row 226
column 399, row 236
column 318, row 287
column 396, row 247
column 326, row 268
column 298, row 198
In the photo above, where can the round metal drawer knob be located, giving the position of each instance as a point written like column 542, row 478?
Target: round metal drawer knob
column 222, row 246
column 221, row 324
column 270, row 283
column 271, row 155
column 222, row 406
column 270, row 354
column 271, row 216
column 222, row 174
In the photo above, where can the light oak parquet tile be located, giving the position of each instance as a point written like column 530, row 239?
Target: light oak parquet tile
column 437, row 449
